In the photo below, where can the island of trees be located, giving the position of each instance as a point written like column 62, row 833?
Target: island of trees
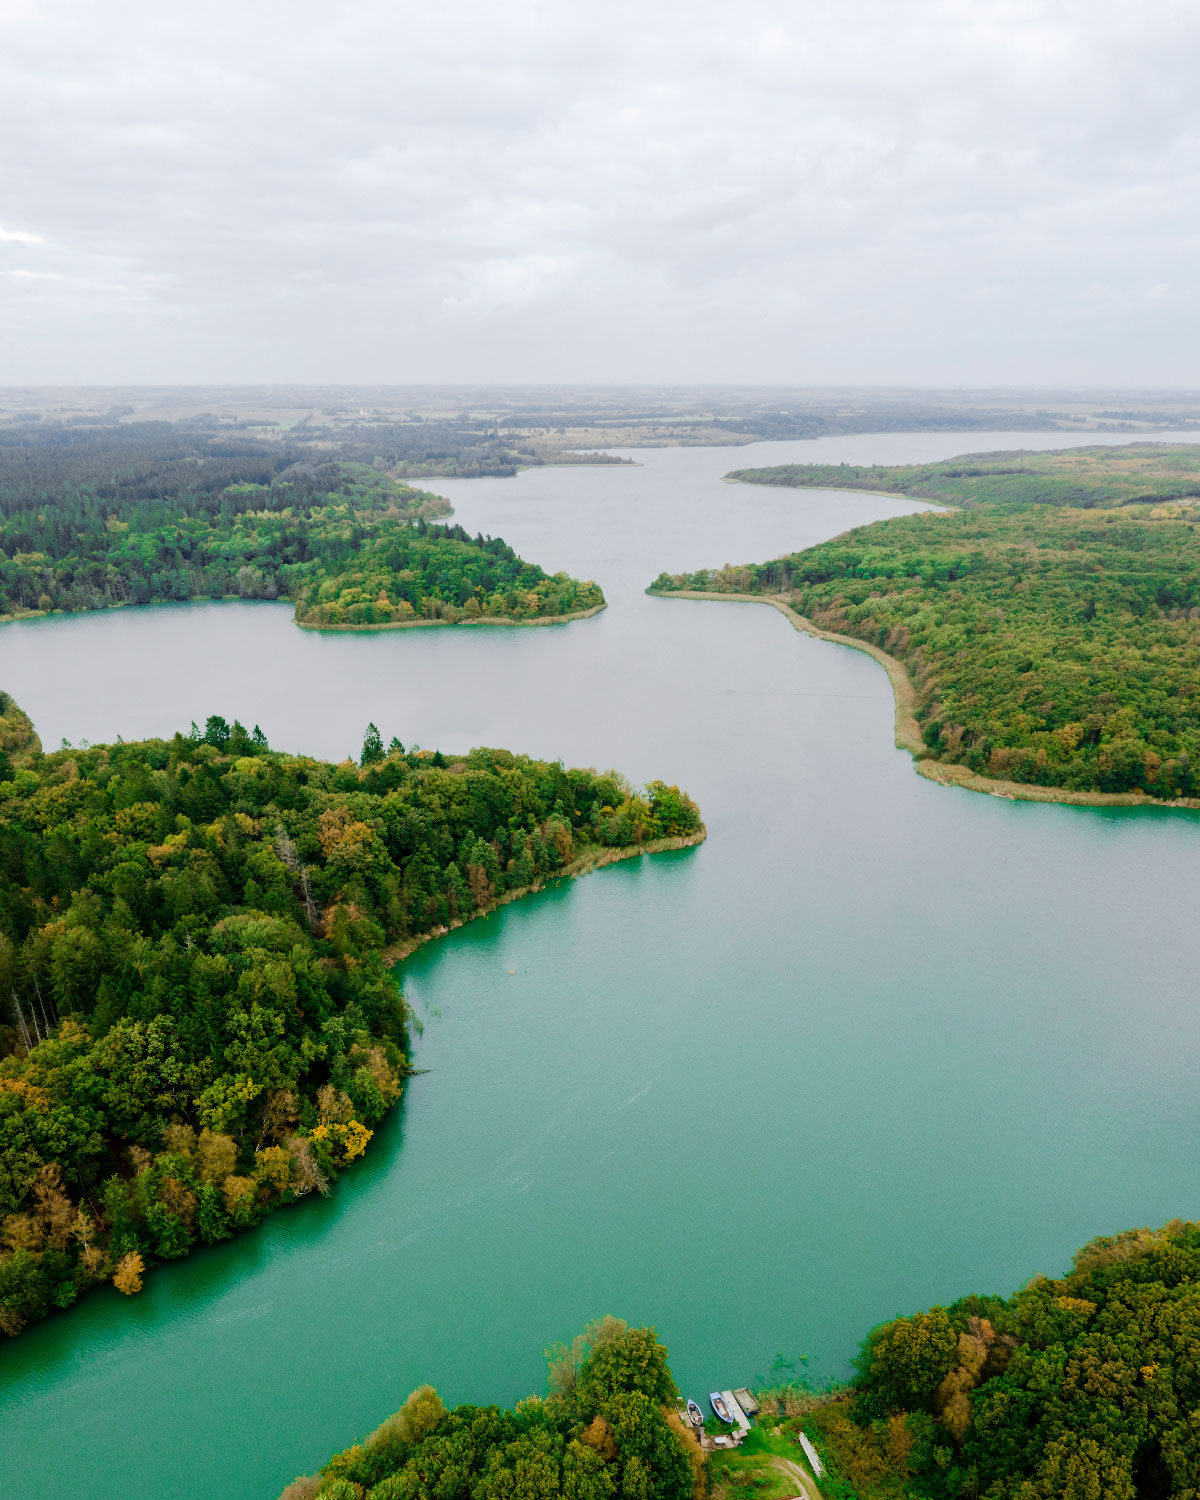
column 198, row 1017
column 149, row 513
column 1083, row 1387
column 1049, row 624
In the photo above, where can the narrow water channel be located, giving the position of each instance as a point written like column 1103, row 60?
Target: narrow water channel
column 875, row 1044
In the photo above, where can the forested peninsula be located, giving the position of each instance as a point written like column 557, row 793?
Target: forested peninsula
column 606, row 1431
column 1082, row 1387
column 1049, row 625
column 199, row 1021
column 151, row 513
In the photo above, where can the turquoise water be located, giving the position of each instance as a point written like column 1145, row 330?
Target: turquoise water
column 875, row 1044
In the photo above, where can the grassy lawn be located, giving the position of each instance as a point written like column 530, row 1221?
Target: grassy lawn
column 746, row 1473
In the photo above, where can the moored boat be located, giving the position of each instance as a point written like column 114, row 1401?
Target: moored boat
column 695, row 1415
column 717, row 1402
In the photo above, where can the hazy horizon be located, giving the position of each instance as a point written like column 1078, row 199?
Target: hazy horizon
column 952, row 194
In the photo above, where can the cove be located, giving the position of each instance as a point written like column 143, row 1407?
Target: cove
column 875, row 1044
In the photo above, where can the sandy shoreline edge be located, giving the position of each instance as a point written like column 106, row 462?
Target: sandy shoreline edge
column 595, row 858
column 908, row 731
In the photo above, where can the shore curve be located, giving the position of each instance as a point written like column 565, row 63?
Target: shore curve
column 908, row 731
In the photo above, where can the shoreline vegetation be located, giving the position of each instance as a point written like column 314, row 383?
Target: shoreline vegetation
column 105, row 518
column 1048, row 623
column 606, row 1430
column 593, row 859
column 908, row 730
column 202, row 1022
column 1076, row 1386
column 502, row 620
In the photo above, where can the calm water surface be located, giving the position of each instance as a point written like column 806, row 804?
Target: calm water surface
column 875, row 1044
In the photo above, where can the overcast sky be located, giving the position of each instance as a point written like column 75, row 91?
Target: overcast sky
column 894, row 191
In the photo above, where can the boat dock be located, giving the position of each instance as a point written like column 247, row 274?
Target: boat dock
column 740, row 1420
column 741, row 1405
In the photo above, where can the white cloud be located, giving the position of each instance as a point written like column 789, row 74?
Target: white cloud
column 849, row 190
column 774, row 41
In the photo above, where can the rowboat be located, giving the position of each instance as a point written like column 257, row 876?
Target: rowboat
column 695, row 1415
column 717, row 1402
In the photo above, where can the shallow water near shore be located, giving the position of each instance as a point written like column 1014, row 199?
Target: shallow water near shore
column 875, row 1044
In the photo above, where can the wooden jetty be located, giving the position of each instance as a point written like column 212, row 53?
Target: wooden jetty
column 740, row 1420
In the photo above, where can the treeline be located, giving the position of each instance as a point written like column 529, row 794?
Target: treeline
column 1133, row 474
column 152, row 512
column 131, row 463
column 1085, row 1387
column 884, row 416
column 199, row 1022
column 428, row 572
column 1050, row 642
column 463, row 448
column 606, row 1431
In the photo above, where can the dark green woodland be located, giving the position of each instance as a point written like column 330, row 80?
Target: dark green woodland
column 153, row 512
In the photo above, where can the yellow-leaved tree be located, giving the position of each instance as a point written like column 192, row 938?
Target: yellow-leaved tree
column 127, row 1277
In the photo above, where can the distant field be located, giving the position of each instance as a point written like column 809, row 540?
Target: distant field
column 1050, row 624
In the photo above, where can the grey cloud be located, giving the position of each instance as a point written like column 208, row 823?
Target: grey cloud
column 937, row 190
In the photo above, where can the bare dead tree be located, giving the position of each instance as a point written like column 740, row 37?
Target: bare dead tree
column 21, row 1026
column 290, row 856
column 38, row 990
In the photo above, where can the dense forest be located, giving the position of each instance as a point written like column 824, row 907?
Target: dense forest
column 1086, row 1387
column 1050, row 624
column 403, row 573
column 606, row 1431
column 149, row 512
column 200, row 1022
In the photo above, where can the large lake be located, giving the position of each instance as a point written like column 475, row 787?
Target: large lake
column 875, row 1044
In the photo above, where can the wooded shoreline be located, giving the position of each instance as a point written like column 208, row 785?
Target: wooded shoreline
column 596, row 857
column 507, row 620
column 908, row 731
